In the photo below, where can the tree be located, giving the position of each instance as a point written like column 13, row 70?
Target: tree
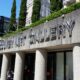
column 22, row 14
column 36, row 10
column 60, row 4
column 55, row 5
column 12, row 26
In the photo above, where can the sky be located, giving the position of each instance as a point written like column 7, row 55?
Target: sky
column 6, row 5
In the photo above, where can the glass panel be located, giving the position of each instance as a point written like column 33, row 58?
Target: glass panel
column 0, row 63
column 60, row 66
column 51, row 66
column 69, row 66
column 29, row 67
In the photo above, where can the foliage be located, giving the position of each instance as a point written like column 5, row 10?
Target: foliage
column 36, row 10
column 55, row 5
column 22, row 14
column 50, row 17
column 12, row 26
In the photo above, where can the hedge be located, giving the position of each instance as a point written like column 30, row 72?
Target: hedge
column 50, row 17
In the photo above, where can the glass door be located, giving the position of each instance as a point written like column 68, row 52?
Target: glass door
column 51, row 66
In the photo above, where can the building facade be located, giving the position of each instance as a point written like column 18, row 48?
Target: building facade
column 50, row 51
column 4, row 25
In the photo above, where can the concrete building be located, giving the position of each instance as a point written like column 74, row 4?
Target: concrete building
column 50, row 51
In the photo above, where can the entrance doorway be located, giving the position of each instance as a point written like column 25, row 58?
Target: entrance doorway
column 10, row 71
column 29, row 67
column 60, row 66
column 51, row 66
column 0, row 63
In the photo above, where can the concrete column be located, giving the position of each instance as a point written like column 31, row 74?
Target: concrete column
column 76, row 63
column 40, row 65
column 4, row 69
column 19, row 62
column 60, row 66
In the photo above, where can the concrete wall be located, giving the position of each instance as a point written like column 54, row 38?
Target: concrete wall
column 49, row 32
